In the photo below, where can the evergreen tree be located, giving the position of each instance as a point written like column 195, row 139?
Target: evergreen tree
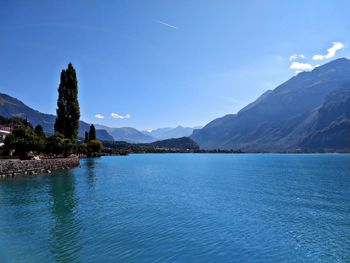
column 86, row 140
column 68, row 111
column 92, row 133
column 61, row 111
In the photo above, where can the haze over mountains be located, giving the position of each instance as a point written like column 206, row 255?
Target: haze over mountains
column 311, row 110
column 166, row 133
column 127, row 134
column 10, row 106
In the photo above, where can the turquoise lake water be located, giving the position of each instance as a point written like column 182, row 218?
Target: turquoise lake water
column 181, row 208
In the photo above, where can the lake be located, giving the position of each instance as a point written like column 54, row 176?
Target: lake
column 181, row 208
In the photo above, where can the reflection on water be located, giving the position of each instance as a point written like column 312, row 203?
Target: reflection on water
column 91, row 171
column 181, row 208
column 65, row 242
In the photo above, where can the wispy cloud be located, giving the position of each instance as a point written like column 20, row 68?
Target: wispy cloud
column 298, row 66
column 330, row 52
column 166, row 24
column 118, row 116
column 279, row 58
column 99, row 116
column 296, row 56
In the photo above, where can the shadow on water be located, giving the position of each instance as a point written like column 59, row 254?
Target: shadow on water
column 64, row 235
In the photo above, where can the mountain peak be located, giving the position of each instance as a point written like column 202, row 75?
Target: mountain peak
column 280, row 119
column 336, row 64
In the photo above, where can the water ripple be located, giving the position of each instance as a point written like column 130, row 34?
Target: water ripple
column 181, row 208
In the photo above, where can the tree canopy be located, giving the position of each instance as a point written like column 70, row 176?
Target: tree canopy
column 68, row 111
column 92, row 133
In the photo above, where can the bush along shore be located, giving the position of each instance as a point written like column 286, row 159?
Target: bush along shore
column 12, row 168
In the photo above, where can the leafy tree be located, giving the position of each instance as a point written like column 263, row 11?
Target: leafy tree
column 91, row 147
column 68, row 147
column 39, row 131
column 55, row 143
column 94, row 147
column 4, row 120
column 19, row 122
column 92, row 133
column 83, row 148
column 23, row 140
column 58, row 144
column 68, row 111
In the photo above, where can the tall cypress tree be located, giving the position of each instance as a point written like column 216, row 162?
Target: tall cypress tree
column 68, row 111
column 92, row 133
column 86, row 140
column 61, row 111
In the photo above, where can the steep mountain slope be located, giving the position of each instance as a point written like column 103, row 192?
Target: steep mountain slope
column 127, row 134
column 332, row 127
column 280, row 119
column 10, row 106
column 168, row 133
column 103, row 135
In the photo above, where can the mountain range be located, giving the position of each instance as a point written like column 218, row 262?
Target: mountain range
column 127, row 134
column 166, row 133
column 10, row 106
column 309, row 111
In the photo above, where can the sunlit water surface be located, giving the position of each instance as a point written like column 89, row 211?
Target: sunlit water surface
column 181, row 208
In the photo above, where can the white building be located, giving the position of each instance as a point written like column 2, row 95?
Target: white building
column 4, row 131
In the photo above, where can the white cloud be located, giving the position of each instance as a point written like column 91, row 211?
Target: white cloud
column 292, row 57
column 279, row 58
column 166, row 24
column 296, row 56
column 298, row 66
column 330, row 52
column 99, row 116
column 117, row 116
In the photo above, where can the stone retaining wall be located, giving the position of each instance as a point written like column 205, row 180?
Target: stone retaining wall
column 10, row 168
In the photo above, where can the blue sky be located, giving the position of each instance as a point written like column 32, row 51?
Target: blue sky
column 164, row 63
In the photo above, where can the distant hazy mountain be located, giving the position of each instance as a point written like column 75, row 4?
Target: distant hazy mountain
column 168, row 133
column 311, row 110
column 127, row 134
column 103, row 135
column 10, row 106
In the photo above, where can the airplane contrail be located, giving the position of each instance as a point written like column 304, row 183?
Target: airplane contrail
column 166, row 24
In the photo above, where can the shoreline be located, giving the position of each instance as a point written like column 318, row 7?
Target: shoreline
column 228, row 152
column 14, row 167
